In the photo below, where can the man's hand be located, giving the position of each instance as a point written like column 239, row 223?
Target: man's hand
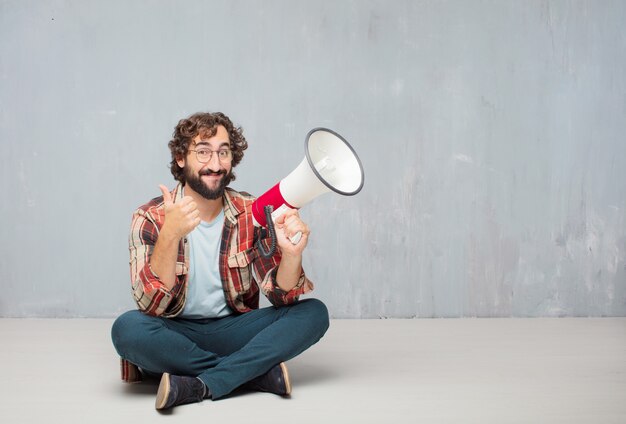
column 287, row 225
column 180, row 217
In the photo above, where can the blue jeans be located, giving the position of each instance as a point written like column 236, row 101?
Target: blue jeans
column 223, row 352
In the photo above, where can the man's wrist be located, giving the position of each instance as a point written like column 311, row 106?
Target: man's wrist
column 290, row 257
column 289, row 271
column 168, row 236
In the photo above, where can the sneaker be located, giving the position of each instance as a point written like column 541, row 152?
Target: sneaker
column 177, row 390
column 274, row 381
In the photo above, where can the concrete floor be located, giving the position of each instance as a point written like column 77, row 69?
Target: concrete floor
column 570, row 370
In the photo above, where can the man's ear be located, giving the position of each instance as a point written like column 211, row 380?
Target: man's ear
column 181, row 162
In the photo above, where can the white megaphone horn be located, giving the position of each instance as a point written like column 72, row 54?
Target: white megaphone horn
column 330, row 164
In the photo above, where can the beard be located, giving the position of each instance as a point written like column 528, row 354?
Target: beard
column 196, row 184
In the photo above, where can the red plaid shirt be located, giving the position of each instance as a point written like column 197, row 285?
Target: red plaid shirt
column 242, row 269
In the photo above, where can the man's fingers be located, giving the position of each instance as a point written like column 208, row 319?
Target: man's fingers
column 280, row 220
column 189, row 207
column 294, row 222
column 167, row 196
column 290, row 213
column 292, row 219
column 294, row 225
column 285, row 217
column 290, row 232
column 186, row 200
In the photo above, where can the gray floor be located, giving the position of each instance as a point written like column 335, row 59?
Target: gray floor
column 363, row 371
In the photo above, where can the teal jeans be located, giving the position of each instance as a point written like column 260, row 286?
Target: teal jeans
column 223, row 352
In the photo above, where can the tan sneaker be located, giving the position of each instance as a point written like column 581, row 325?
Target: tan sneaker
column 276, row 381
column 177, row 390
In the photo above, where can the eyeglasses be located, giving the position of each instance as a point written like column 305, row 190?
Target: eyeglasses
column 205, row 155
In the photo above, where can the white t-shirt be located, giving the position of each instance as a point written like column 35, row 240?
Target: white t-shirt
column 205, row 295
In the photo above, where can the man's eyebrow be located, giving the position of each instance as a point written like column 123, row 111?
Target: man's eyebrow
column 206, row 144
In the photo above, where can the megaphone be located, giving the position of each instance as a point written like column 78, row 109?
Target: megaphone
column 330, row 164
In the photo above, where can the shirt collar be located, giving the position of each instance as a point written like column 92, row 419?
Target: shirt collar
column 233, row 206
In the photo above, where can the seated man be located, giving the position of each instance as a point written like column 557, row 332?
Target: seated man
column 196, row 275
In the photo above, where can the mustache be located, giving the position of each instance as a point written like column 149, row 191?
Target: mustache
column 209, row 172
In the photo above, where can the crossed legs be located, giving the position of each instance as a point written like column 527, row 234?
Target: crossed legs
column 225, row 352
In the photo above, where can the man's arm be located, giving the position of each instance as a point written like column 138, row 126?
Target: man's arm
column 290, row 267
column 153, row 246
column 163, row 259
column 180, row 219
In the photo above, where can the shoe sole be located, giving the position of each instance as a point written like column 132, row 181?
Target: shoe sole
column 283, row 367
column 164, row 391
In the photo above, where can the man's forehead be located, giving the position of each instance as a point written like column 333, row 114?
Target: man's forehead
column 212, row 136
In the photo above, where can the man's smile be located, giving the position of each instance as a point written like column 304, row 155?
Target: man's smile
column 212, row 176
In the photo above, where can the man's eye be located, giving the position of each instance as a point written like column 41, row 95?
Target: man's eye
column 202, row 152
column 223, row 153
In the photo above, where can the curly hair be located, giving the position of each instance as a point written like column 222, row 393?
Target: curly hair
column 205, row 124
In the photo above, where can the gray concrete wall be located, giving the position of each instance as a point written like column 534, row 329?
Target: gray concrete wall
column 492, row 135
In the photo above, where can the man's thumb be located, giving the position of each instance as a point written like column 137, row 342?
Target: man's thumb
column 167, row 196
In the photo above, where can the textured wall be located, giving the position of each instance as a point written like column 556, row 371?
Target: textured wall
column 492, row 135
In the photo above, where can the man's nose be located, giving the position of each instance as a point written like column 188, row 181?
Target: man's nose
column 214, row 159
column 214, row 163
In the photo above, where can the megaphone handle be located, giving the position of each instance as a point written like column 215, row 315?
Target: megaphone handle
column 295, row 239
column 270, row 228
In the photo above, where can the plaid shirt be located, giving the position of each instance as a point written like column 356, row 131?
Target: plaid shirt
column 242, row 269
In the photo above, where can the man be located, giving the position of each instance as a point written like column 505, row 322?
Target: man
column 196, row 275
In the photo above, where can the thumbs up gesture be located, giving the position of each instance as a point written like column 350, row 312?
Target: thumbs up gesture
column 180, row 217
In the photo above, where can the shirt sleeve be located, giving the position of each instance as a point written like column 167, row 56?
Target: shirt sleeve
column 266, row 269
column 150, row 294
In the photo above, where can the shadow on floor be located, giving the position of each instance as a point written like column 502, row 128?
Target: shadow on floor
column 307, row 374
